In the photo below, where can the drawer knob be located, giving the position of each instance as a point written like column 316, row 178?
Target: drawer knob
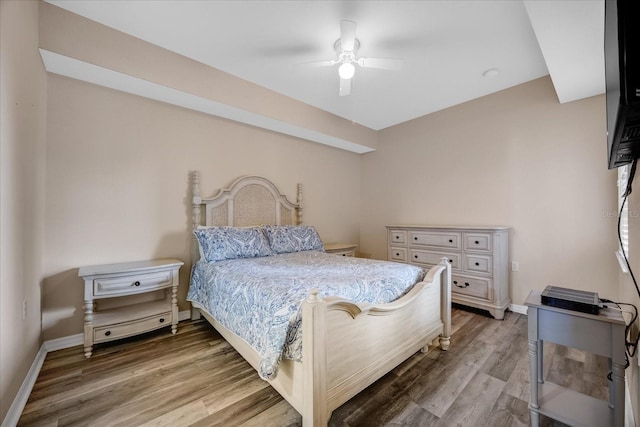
column 162, row 320
column 450, row 261
column 415, row 256
column 415, row 238
column 106, row 334
column 477, row 263
column 397, row 254
column 477, row 243
column 455, row 282
column 466, row 284
column 397, row 237
column 450, row 240
column 136, row 283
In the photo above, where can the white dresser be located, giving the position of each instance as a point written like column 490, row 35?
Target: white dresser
column 479, row 258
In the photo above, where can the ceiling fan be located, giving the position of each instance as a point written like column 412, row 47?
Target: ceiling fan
column 346, row 48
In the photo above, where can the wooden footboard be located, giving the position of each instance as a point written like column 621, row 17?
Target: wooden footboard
column 347, row 346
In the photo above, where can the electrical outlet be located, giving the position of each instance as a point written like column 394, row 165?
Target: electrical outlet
column 24, row 310
column 515, row 266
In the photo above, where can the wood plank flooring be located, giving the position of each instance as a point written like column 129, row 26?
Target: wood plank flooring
column 194, row 378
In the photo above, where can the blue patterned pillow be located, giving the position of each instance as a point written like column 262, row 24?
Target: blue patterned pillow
column 219, row 243
column 293, row 238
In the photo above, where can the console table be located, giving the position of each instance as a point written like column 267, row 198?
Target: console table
column 601, row 334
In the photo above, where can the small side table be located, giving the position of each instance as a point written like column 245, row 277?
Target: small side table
column 601, row 334
column 122, row 280
column 344, row 249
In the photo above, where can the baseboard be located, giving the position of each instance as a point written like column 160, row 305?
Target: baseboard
column 13, row 415
column 16, row 408
column 516, row 308
column 64, row 342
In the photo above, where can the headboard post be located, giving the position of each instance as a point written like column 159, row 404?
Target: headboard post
column 299, row 201
column 196, row 207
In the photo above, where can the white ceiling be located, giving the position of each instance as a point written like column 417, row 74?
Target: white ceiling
column 446, row 47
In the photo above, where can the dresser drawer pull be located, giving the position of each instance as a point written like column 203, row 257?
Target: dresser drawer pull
column 450, row 240
column 466, row 284
column 162, row 320
column 450, row 261
column 415, row 238
column 415, row 256
column 477, row 263
column 397, row 237
column 136, row 283
column 397, row 254
column 477, row 242
column 106, row 334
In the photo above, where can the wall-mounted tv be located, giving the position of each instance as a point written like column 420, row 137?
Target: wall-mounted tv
column 622, row 70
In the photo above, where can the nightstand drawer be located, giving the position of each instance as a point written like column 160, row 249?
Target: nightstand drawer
column 121, row 330
column 398, row 254
column 470, row 286
column 433, row 258
column 441, row 240
column 131, row 284
column 344, row 249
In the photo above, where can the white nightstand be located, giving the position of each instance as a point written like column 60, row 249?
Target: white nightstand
column 344, row 249
column 122, row 280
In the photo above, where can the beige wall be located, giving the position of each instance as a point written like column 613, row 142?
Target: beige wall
column 22, row 148
column 72, row 35
column 117, row 184
column 515, row 158
column 629, row 294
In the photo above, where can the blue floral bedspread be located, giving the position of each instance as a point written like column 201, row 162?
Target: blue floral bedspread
column 259, row 299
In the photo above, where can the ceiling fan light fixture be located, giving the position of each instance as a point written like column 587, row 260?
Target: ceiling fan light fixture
column 346, row 70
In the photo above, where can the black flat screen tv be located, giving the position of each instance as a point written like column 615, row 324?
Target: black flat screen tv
column 622, row 71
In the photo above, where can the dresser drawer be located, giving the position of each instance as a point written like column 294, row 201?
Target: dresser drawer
column 477, row 263
column 397, row 254
column 131, row 284
column 397, row 237
column 470, row 286
column 121, row 330
column 477, row 241
column 433, row 258
column 437, row 239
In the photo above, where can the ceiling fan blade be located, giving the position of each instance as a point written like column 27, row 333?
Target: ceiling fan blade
column 326, row 63
column 345, row 87
column 347, row 35
column 382, row 63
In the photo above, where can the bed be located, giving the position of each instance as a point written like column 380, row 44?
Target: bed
column 344, row 346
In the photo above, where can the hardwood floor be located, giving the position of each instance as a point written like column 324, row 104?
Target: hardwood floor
column 196, row 379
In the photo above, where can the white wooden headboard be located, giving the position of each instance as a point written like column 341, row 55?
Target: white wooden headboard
column 249, row 200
